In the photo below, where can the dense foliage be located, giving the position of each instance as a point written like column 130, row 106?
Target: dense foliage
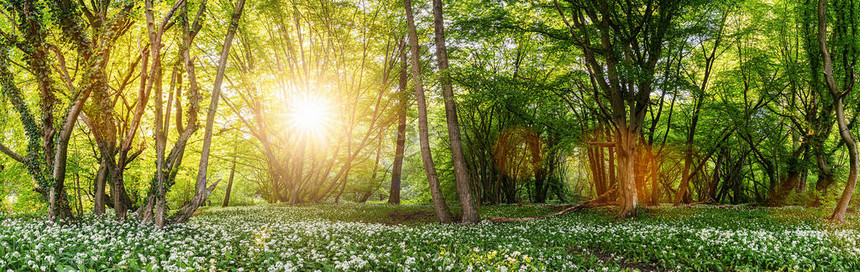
column 723, row 102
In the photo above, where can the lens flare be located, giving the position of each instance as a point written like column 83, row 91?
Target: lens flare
column 310, row 116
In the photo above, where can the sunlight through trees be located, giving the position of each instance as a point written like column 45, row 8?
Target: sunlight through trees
column 151, row 112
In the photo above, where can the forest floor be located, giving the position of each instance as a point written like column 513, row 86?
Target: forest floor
column 370, row 237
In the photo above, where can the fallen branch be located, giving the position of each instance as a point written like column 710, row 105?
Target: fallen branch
column 596, row 202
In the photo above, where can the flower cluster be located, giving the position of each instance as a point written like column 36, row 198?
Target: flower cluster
column 307, row 239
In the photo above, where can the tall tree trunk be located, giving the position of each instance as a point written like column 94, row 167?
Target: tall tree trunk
column 78, row 192
column 801, row 187
column 201, row 193
column 165, row 174
column 848, row 139
column 59, row 208
column 154, row 82
column 442, row 211
column 655, row 164
column 715, row 178
column 625, row 146
column 118, row 191
column 541, row 174
column 841, row 120
column 403, row 104
column 683, row 194
column 229, row 184
column 99, row 198
column 684, row 191
column 612, row 171
column 641, row 175
column 461, row 174
column 594, row 163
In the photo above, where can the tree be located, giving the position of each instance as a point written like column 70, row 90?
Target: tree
column 442, row 211
column 402, row 106
column 229, row 183
column 838, row 93
column 461, row 173
column 48, row 139
column 683, row 194
column 113, row 131
column 614, row 37
column 155, row 206
column 285, row 64
column 202, row 191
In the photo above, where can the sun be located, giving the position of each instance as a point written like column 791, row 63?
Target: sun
column 310, row 116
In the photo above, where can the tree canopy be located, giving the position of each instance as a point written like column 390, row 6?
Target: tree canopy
column 150, row 109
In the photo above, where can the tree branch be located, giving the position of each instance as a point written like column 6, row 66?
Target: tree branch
column 12, row 154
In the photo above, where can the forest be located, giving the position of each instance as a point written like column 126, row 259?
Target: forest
column 429, row 135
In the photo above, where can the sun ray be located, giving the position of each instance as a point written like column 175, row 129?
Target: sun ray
column 311, row 117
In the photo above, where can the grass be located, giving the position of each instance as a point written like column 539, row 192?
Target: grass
column 355, row 237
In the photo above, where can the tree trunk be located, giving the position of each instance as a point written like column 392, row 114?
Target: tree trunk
column 848, row 139
column 442, row 211
column 99, row 198
column 715, row 179
column 154, row 81
column 403, row 104
column 118, row 191
column 77, row 191
column 684, row 189
column 656, row 164
column 841, row 120
column 229, row 184
column 540, row 186
column 612, row 172
column 461, row 174
column 594, row 163
column 641, row 175
column 59, row 208
column 626, row 148
column 201, row 193
column 801, row 186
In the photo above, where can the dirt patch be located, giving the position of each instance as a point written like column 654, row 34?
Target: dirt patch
column 399, row 217
column 609, row 258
